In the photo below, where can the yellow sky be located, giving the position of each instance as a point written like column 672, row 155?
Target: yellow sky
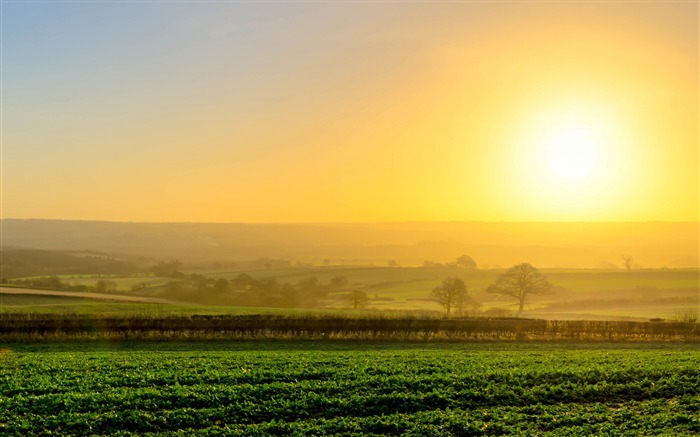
column 346, row 112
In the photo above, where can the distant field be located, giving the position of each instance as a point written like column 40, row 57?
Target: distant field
column 20, row 300
column 395, row 280
column 123, row 283
column 312, row 388
column 594, row 294
column 69, row 304
column 638, row 294
column 13, row 303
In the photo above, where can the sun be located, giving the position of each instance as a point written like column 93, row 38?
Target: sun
column 570, row 163
column 572, row 151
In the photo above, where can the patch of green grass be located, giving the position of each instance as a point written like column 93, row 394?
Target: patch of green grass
column 13, row 303
column 22, row 300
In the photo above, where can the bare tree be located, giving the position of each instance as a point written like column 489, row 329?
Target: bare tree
column 627, row 260
column 686, row 315
column 358, row 299
column 519, row 282
column 452, row 292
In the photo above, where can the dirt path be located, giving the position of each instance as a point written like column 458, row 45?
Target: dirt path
column 99, row 296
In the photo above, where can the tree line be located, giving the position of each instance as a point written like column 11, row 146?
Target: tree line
column 245, row 290
column 55, row 283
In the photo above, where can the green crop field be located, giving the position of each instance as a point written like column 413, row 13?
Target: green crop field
column 306, row 388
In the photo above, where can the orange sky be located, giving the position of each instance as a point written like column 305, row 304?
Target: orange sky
column 323, row 112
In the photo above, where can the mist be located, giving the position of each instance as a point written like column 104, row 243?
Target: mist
column 491, row 244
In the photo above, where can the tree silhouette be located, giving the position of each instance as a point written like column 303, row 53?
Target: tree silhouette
column 519, row 282
column 627, row 260
column 466, row 262
column 450, row 293
column 358, row 299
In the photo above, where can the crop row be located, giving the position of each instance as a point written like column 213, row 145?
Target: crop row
column 658, row 417
column 456, row 391
column 44, row 326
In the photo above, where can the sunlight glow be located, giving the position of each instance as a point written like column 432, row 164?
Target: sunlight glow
column 262, row 112
column 572, row 151
column 573, row 158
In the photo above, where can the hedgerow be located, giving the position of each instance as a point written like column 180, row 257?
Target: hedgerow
column 42, row 327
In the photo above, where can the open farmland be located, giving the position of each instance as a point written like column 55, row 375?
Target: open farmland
column 283, row 388
column 578, row 294
column 593, row 294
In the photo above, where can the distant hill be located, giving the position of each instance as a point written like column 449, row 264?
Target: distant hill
column 651, row 244
column 18, row 263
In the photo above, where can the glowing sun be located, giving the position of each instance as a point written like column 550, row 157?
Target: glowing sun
column 572, row 151
column 573, row 159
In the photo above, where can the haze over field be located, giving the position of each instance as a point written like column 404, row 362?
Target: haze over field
column 560, row 134
column 350, row 112
column 583, row 245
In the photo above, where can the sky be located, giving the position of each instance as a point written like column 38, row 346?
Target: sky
column 350, row 111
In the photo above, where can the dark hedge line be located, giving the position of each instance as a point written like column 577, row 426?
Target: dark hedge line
column 43, row 326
